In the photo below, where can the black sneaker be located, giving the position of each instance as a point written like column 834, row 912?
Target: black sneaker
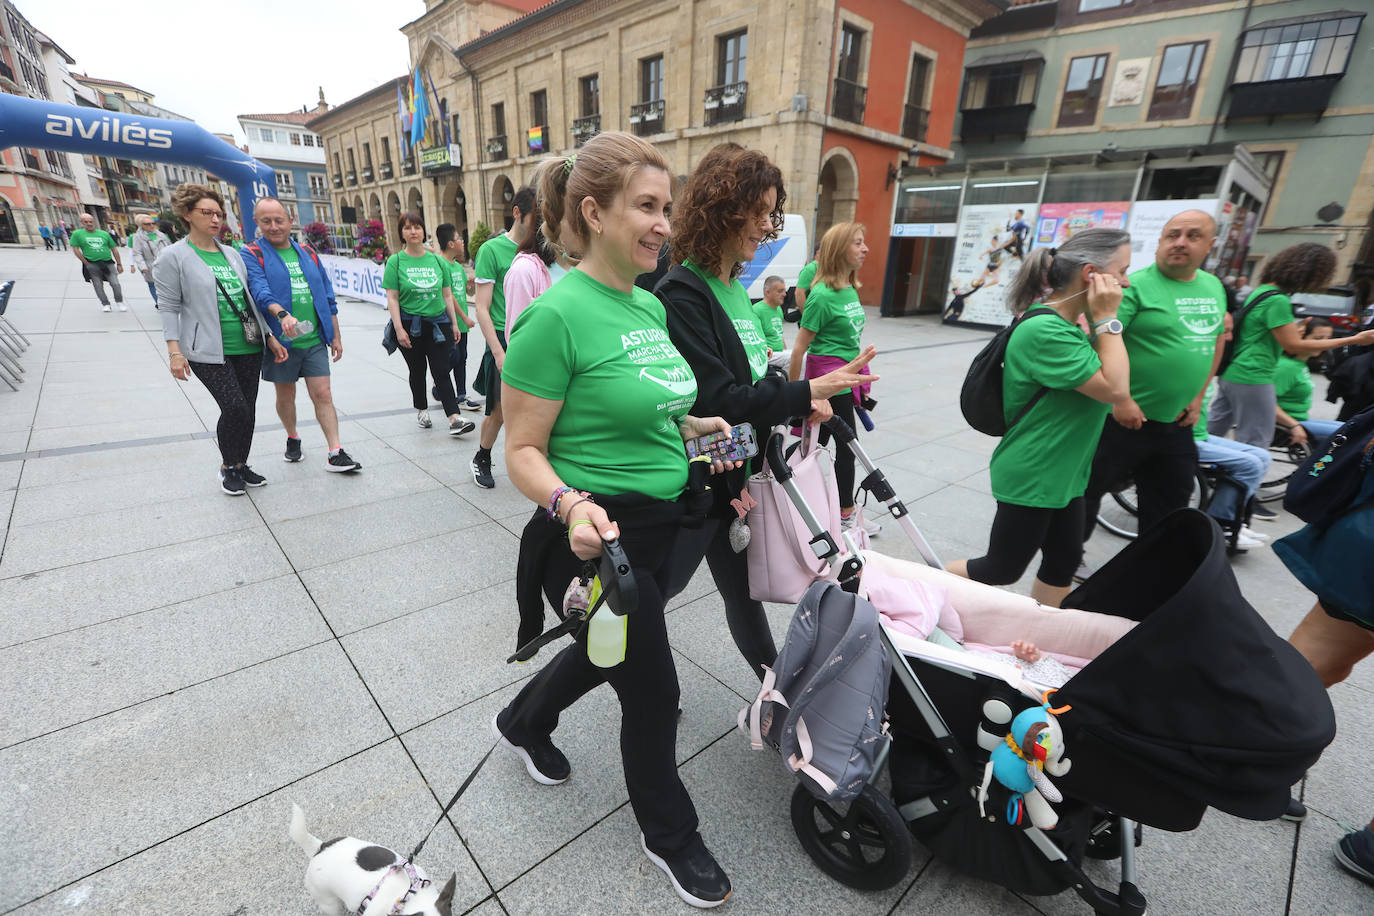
column 293, row 450
column 251, row 477
column 340, row 463
column 481, row 470
column 458, row 426
column 1355, row 853
column 230, row 482
column 695, row 875
column 1295, row 812
column 1263, row 513
column 544, row 762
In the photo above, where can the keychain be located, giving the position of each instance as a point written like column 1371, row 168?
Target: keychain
column 740, row 534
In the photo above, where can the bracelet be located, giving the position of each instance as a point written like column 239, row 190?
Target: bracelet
column 581, row 521
column 1098, row 324
column 175, row 355
column 558, row 494
column 586, row 498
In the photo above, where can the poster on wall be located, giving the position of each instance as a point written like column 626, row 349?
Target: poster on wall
column 989, row 246
column 1147, row 221
column 1058, row 222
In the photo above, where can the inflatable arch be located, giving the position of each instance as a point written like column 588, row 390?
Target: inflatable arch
column 98, row 132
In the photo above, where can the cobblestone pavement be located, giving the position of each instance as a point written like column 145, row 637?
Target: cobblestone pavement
column 179, row 667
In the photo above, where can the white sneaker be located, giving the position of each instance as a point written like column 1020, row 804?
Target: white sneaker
column 872, row 528
column 106, row 308
column 422, row 418
column 123, row 307
column 1252, row 533
column 1243, row 541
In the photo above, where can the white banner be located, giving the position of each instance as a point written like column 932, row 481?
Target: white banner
column 990, row 243
column 1147, row 221
column 357, row 278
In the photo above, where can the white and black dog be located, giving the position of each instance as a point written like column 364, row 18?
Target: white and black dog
column 342, row 872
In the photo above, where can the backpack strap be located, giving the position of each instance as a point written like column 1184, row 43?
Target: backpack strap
column 1044, row 390
column 256, row 252
column 313, row 255
column 751, row 717
column 1247, row 309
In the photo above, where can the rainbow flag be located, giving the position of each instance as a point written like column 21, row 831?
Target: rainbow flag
column 535, row 136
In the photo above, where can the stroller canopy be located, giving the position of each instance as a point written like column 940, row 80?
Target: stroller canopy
column 1202, row 700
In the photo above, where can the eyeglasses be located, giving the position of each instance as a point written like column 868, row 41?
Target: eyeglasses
column 210, row 214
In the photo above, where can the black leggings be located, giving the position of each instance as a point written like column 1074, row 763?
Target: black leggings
column 1019, row 531
column 746, row 618
column 843, row 406
column 645, row 683
column 234, row 386
column 424, row 353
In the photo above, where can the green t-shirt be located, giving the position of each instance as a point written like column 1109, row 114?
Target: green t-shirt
column 231, row 329
column 493, row 260
column 1257, row 350
column 96, row 245
column 1044, row 459
column 302, row 302
column 1293, row 387
column 458, row 280
column 837, row 319
column 770, row 320
column 624, row 386
column 806, row 277
column 1171, row 333
column 734, row 301
column 1200, row 433
column 419, row 282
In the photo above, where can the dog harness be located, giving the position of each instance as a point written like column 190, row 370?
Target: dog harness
column 416, row 883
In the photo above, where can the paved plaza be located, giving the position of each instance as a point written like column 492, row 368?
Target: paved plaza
column 178, row 667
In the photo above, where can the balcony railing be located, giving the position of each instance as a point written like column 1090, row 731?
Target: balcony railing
column 496, row 149
column 584, row 128
column 351, row 178
column 726, row 103
column 849, row 101
column 1307, row 95
column 384, row 170
column 408, row 166
column 367, row 174
column 336, row 181
column 647, row 117
column 988, row 124
column 915, row 121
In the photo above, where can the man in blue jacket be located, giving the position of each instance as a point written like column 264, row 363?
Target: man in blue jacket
column 292, row 289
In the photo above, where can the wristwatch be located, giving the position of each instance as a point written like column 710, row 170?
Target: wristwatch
column 1110, row 326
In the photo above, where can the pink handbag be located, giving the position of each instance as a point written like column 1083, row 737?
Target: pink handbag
column 782, row 565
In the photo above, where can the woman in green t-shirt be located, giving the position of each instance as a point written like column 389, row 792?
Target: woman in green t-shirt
column 732, row 203
column 419, row 296
column 597, row 402
column 1245, row 391
column 202, row 293
column 828, row 338
column 1040, row 468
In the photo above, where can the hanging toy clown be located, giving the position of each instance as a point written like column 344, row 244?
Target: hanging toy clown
column 1034, row 746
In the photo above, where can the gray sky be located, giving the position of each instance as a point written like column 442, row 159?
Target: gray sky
column 209, row 61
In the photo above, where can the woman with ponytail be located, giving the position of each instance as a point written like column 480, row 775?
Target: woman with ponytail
column 1040, row 467
column 597, row 403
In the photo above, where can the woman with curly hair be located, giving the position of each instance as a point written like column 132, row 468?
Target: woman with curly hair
column 732, row 203
column 1264, row 329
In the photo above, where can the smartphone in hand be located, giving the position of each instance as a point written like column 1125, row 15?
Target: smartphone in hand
column 738, row 444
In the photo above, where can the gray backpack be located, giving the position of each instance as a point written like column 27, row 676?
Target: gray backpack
column 823, row 705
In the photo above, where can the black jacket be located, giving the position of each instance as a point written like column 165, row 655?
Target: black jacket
column 703, row 333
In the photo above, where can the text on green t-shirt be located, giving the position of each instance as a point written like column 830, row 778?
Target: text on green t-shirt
column 1044, row 459
column 1171, row 332
column 458, row 280
column 1257, row 350
column 770, row 320
column 837, row 319
column 624, row 386
column 419, row 282
column 734, row 301
column 231, row 329
column 493, row 260
column 302, row 302
column 96, row 245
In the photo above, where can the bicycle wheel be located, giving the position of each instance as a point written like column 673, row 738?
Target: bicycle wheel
column 1285, row 463
column 1120, row 514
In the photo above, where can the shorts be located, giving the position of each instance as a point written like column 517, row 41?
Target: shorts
column 307, row 363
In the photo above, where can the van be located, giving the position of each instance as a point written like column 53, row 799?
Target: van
column 785, row 256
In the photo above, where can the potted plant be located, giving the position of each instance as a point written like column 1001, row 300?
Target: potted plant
column 371, row 243
column 317, row 234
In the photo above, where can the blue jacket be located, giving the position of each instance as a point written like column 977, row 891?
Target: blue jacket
column 269, row 282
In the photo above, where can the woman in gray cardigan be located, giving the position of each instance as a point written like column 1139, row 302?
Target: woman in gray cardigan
column 202, row 290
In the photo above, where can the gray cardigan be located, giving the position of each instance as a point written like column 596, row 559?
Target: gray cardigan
column 189, row 301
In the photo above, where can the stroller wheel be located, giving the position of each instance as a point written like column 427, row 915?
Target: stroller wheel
column 867, row 847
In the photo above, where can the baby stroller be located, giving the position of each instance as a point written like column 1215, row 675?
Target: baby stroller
column 1158, row 728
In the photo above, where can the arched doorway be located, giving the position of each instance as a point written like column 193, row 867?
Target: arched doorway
column 415, row 202
column 502, row 194
column 374, row 207
column 9, row 233
column 839, row 190
column 453, row 207
column 358, row 211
